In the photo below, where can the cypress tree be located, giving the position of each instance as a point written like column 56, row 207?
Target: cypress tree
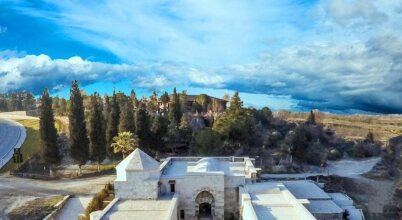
column 143, row 126
column 127, row 122
column 175, row 108
column 48, row 132
column 112, row 123
column 79, row 143
column 97, row 130
column 134, row 99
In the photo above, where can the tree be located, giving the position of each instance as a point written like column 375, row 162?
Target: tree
column 127, row 121
column 185, row 129
column 264, row 116
column 203, row 101
column 165, row 101
column 175, row 108
column 311, row 118
column 48, row 132
column 112, row 123
column 183, row 101
column 63, row 107
column 159, row 131
column 207, row 141
column 369, row 138
column 97, row 130
column 79, row 143
column 124, row 143
column 133, row 98
column 235, row 103
column 237, row 124
column 299, row 143
column 143, row 126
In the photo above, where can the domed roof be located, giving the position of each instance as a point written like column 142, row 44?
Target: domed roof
column 207, row 164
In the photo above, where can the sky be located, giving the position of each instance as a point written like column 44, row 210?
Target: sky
column 342, row 56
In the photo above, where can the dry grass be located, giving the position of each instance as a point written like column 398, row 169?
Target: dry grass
column 35, row 209
column 355, row 127
column 32, row 144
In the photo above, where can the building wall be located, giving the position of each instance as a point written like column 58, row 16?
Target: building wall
column 232, row 184
column 139, row 185
column 188, row 187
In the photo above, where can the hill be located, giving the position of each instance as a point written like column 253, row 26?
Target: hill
column 352, row 127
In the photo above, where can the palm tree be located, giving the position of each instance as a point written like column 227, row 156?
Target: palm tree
column 124, row 143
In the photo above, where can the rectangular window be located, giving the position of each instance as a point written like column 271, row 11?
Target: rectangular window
column 182, row 214
column 172, row 186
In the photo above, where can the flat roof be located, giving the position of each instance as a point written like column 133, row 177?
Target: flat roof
column 305, row 189
column 270, row 202
column 323, row 207
column 194, row 166
column 140, row 209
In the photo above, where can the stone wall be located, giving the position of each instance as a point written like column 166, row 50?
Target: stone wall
column 139, row 185
column 190, row 186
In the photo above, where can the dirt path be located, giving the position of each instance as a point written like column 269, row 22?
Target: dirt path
column 374, row 194
column 14, row 191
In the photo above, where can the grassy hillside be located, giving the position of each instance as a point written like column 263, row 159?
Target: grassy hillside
column 32, row 143
column 353, row 126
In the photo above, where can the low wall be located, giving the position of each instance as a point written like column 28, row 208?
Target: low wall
column 58, row 207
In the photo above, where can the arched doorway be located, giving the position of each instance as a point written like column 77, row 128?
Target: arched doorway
column 205, row 210
column 205, row 205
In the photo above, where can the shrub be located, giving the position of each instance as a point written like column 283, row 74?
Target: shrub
column 97, row 202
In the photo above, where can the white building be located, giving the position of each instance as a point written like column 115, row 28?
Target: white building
column 214, row 188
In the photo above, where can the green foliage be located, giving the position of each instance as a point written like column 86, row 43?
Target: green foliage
column 133, row 98
column 299, row 143
column 204, row 102
column 175, row 108
column 206, row 141
column 369, row 137
column 17, row 101
column 97, row 130
column 48, row 132
column 79, row 143
column 316, row 154
column 237, row 124
column 112, row 123
column 159, row 129
column 264, row 116
column 97, row 202
column 311, row 118
column 142, row 123
column 124, row 143
column 127, row 121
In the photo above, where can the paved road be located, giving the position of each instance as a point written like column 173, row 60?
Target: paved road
column 12, row 135
column 344, row 168
column 14, row 191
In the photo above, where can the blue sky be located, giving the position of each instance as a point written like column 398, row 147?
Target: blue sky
column 334, row 55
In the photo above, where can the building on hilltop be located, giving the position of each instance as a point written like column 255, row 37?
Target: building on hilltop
column 215, row 104
column 214, row 188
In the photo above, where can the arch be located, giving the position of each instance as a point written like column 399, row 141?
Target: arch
column 204, row 197
column 204, row 204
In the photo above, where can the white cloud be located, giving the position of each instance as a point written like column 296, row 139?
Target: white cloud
column 348, row 57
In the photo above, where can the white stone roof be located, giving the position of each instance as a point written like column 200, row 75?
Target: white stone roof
column 138, row 161
column 304, row 189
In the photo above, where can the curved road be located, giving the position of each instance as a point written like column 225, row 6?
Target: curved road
column 12, row 135
column 343, row 168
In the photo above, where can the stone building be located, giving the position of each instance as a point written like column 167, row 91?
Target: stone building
column 215, row 104
column 218, row 188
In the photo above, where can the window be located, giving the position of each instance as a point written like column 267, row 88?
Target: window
column 172, row 186
column 181, row 214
